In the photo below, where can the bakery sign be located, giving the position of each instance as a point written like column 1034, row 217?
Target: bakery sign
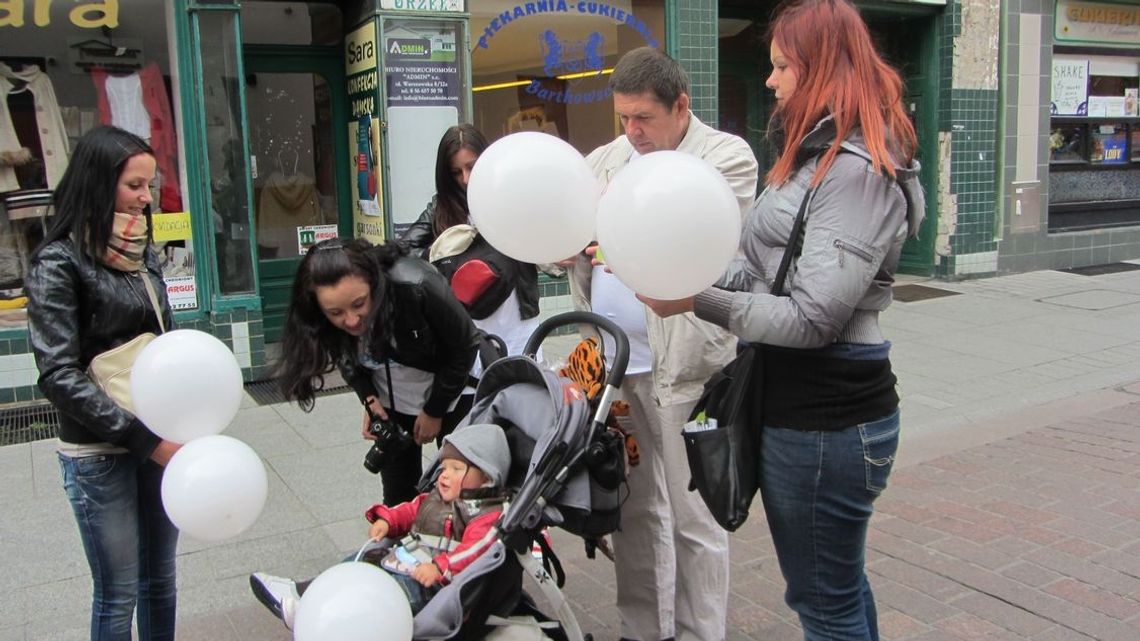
column 1097, row 22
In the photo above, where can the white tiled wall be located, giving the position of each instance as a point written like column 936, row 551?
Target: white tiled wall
column 240, row 333
column 18, row 370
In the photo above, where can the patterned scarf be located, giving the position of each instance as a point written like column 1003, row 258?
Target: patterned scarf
column 127, row 244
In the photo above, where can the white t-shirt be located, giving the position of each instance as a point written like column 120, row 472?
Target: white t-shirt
column 612, row 299
column 411, row 386
column 505, row 323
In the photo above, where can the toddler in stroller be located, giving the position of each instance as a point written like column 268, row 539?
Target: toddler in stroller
column 566, row 469
column 437, row 534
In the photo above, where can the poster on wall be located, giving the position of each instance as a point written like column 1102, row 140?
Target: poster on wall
column 424, row 98
column 420, row 64
column 1070, row 87
column 361, row 63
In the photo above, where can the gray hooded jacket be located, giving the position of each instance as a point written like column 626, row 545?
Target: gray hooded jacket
column 857, row 222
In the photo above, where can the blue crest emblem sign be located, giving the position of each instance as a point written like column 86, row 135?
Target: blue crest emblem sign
column 562, row 57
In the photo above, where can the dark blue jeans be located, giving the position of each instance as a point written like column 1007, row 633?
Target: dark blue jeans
column 129, row 541
column 818, row 489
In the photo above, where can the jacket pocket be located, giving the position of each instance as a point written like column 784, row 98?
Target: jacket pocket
column 848, row 248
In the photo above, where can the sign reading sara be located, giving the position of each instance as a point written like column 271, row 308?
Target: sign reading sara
column 88, row 15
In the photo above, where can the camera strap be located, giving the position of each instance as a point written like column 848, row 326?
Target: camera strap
column 391, row 394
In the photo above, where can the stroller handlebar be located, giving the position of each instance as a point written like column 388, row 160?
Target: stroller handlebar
column 621, row 351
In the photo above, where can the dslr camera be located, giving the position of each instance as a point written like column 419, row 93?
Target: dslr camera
column 391, row 439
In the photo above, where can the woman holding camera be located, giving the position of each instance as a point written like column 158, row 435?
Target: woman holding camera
column 390, row 323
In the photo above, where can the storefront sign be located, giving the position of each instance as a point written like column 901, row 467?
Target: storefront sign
column 182, row 292
column 89, row 15
column 362, row 82
column 1070, row 87
column 171, row 226
column 599, row 9
column 1097, row 22
column 313, row 234
column 420, row 66
column 449, row 6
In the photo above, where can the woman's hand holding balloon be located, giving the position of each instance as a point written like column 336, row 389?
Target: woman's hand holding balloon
column 164, row 451
column 667, row 308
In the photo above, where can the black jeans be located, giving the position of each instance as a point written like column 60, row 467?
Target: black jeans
column 401, row 475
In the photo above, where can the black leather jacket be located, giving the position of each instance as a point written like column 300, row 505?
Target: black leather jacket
column 77, row 309
column 419, row 237
column 431, row 331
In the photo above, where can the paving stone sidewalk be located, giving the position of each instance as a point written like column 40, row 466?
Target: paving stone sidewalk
column 1036, row 536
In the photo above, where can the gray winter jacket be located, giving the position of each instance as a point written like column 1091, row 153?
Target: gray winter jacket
column 857, row 222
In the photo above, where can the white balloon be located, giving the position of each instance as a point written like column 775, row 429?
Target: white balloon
column 186, row 384
column 668, row 225
column 353, row 602
column 214, row 487
column 533, row 197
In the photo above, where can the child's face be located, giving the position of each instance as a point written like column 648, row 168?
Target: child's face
column 457, row 476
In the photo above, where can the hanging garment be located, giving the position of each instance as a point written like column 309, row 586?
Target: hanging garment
column 163, row 138
column 49, row 122
column 124, row 96
column 286, row 203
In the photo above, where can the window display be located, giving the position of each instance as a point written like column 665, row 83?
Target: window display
column 62, row 73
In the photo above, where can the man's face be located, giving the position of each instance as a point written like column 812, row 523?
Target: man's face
column 650, row 125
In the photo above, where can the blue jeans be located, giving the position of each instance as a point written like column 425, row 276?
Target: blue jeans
column 818, row 489
column 129, row 541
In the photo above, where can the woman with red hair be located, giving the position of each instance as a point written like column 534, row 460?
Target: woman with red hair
column 841, row 199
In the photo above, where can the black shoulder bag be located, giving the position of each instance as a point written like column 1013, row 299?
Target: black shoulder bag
column 725, row 461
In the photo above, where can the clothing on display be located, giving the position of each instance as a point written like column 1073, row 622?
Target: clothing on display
column 286, row 203
column 119, row 106
column 32, row 132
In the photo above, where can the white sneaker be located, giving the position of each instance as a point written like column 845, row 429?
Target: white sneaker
column 276, row 593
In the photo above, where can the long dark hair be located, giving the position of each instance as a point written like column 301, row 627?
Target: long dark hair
column 310, row 345
column 84, row 200
column 838, row 72
column 451, row 199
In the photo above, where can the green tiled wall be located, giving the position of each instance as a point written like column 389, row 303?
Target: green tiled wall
column 693, row 43
column 970, row 116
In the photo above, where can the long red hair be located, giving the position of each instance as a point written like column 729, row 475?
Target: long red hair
column 838, row 72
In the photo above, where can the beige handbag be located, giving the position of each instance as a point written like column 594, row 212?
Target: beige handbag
column 111, row 370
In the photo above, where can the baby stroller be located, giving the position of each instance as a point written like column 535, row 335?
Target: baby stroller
column 567, row 469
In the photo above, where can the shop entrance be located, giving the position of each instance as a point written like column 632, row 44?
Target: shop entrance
column 745, row 104
column 297, row 114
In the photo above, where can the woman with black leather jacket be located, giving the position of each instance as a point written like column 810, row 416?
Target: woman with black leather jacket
column 86, row 295
column 390, row 323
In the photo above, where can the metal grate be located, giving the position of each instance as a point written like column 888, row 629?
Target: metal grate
column 1101, row 270
column 911, row 293
column 267, row 393
column 27, row 423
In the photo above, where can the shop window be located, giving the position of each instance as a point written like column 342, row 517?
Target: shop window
column 549, row 70
column 228, row 166
column 60, row 76
column 1096, row 111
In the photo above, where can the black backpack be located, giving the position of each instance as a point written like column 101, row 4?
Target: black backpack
column 481, row 276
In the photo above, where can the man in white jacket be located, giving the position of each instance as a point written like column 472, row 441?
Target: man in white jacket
column 666, row 531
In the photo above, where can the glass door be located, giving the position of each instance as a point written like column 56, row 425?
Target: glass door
column 297, row 137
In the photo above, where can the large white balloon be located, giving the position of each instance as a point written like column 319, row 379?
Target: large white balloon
column 186, row 384
column 668, row 225
column 533, row 197
column 353, row 602
column 214, row 487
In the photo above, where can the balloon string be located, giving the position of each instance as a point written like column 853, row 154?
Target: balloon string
column 363, row 548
